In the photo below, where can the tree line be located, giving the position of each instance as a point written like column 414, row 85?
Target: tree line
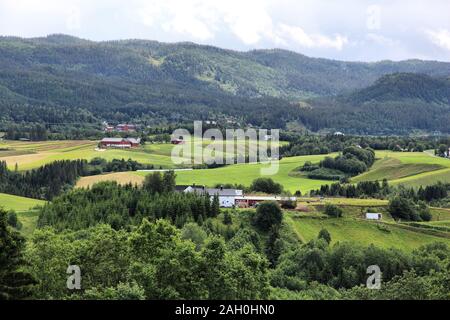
column 44, row 182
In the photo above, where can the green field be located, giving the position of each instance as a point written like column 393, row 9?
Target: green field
column 246, row 173
column 411, row 169
column 29, row 222
column 10, row 202
column 384, row 235
column 30, row 155
column 406, row 168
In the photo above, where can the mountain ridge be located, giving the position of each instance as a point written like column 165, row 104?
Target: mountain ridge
column 172, row 82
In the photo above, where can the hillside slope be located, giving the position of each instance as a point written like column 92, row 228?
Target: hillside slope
column 60, row 78
column 396, row 103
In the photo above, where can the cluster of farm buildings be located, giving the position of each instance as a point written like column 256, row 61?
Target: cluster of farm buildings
column 229, row 198
column 122, row 127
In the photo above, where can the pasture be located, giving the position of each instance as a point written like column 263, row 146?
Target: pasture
column 30, row 155
column 406, row 168
column 246, row 173
column 384, row 235
column 16, row 203
column 411, row 169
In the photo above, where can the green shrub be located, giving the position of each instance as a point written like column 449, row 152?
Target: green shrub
column 333, row 211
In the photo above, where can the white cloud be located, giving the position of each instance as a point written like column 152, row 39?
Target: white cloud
column 346, row 29
column 380, row 39
column 314, row 40
column 248, row 20
column 440, row 38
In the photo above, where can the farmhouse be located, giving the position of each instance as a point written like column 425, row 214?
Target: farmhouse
column 121, row 143
column 227, row 197
column 232, row 197
column 373, row 216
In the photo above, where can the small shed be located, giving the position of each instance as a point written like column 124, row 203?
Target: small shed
column 373, row 216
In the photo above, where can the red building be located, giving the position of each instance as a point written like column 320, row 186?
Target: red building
column 122, row 143
column 126, row 127
column 177, row 141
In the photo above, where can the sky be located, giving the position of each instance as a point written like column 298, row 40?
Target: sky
column 352, row 30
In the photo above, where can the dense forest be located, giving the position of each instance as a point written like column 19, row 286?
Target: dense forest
column 301, row 144
column 351, row 162
column 396, row 103
column 44, row 182
column 65, row 81
column 55, row 178
column 250, row 254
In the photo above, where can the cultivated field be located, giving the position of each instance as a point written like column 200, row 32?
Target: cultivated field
column 119, row 177
column 29, row 155
column 406, row 168
column 411, row 169
column 246, row 173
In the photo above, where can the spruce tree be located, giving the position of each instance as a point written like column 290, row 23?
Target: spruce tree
column 14, row 284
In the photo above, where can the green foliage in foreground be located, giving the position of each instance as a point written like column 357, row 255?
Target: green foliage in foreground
column 122, row 206
column 14, row 282
column 152, row 262
column 318, row 271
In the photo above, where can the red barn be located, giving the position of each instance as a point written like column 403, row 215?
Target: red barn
column 123, row 143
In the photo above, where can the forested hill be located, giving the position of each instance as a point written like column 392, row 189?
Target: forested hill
column 405, row 86
column 396, row 103
column 61, row 78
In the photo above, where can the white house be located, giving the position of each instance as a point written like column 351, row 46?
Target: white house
column 373, row 216
column 227, row 197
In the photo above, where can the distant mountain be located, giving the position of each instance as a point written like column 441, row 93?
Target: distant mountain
column 396, row 103
column 405, row 86
column 119, row 80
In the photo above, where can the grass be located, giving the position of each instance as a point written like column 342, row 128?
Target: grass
column 384, row 235
column 345, row 201
column 392, row 169
column 29, row 222
column 119, row 177
column 411, row 169
column 440, row 214
column 16, row 203
column 30, row 155
column 246, row 173
column 23, row 206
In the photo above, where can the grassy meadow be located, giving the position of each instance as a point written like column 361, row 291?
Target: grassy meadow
column 411, row 169
column 385, row 235
column 406, row 168
column 16, row 203
column 30, row 155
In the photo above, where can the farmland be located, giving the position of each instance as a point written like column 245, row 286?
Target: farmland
column 411, row 169
column 406, row 168
column 30, row 155
column 11, row 202
column 351, row 229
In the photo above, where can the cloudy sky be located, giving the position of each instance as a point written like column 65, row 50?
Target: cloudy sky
column 340, row 29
